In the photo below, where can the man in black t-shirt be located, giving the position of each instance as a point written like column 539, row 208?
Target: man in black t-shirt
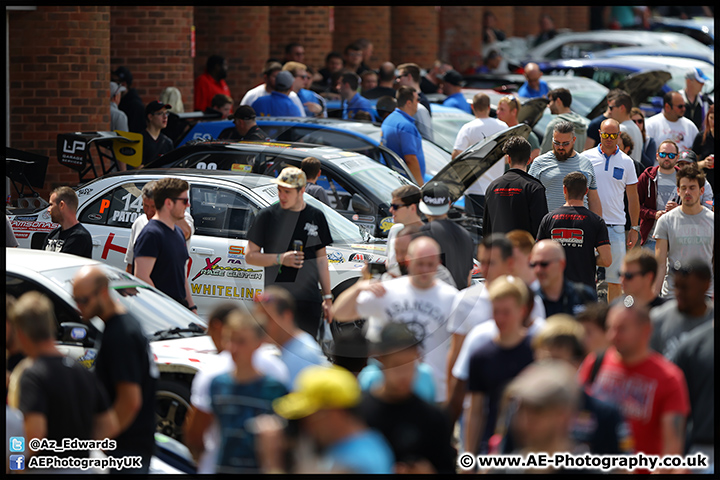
column 394, row 410
column 59, row 398
column 124, row 366
column 456, row 245
column 275, row 230
column 155, row 143
column 579, row 231
column 161, row 254
column 70, row 236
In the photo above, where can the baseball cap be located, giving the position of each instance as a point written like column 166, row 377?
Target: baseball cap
column 284, row 80
column 453, row 77
column 546, row 383
column 318, row 388
column 115, row 88
column 291, row 177
column 435, row 199
column 156, row 106
column 696, row 74
column 124, row 75
column 687, row 156
column 243, row 112
column 271, row 67
column 394, row 337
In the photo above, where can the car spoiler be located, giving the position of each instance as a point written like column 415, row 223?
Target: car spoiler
column 74, row 151
column 26, row 170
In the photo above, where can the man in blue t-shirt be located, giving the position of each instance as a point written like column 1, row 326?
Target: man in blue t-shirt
column 352, row 101
column 278, row 103
column 161, row 254
column 400, row 134
column 452, row 87
column 324, row 401
column 533, row 86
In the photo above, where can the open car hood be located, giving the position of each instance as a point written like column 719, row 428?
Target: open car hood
column 640, row 86
column 471, row 164
column 532, row 110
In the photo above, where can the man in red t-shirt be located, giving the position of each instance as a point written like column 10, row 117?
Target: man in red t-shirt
column 211, row 83
column 650, row 391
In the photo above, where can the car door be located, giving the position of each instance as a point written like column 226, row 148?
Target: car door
column 109, row 218
column 218, row 269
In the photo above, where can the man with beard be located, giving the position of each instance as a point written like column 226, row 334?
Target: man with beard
column 70, row 236
column 552, row 167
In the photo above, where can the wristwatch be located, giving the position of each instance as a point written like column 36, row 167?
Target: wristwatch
column 327, row 297
column 636, row 228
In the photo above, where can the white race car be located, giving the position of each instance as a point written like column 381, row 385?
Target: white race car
column 177, row 337
column 222, row 205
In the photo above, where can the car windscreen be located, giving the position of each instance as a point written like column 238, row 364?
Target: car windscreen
column 435, row 157
column 446, row 128
column 376, row 178
column 154, row 310
column 343, row 231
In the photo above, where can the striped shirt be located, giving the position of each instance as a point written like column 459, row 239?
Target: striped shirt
column 551, row 173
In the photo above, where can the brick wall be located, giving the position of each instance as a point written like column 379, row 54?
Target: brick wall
column 242, row 36
column 461, row 36
column 414, row 35
column 154, row 44
column 59, row 80
column 304, row 24
column 373, row 23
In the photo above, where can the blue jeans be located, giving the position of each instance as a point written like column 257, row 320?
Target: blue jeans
column 650, row 245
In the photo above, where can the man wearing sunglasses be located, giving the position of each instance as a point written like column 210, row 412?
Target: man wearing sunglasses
column 657, row 192
column 155, row 143
column 161, row 254
column 671, row 124
column 615, row 174
column 637, row 277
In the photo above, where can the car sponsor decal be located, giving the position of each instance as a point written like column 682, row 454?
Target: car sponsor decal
column 26, row 218
column 236, row 254
column 110, row 246
column 23, row 228
column 386, row 224
column 378, row 248
column 213, row 269
column 84, row 191
column 78, row 333
column 331, row 156
column 225, row 291
column 360, row 257
column 88, row 358
column 239, row 167
column 335, row 257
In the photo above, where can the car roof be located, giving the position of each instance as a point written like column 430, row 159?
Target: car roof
column 41, row 260
column 629, row 62
column 353, row 125
column 250, row 180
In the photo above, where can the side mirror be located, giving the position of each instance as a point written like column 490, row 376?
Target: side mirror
column 360, row 205
column 73, row 332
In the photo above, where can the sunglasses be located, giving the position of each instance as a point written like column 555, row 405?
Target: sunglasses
column 541, row 264
column 164, row 114
column 611, row 136
column 561, row 144
column 184, row 200
column 630, row 275
column 401, row 76
column 671, row 156
column 639, row 121
column 682, row 106
column 397, row 206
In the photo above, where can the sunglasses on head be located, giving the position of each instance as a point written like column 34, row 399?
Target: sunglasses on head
column 612, row 136
column 671, row 156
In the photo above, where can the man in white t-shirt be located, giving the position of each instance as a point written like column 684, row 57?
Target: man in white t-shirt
column 272, row 69
column 620, row 104
column 187, row 225
column 418, row 300
column 615, row 175
column 472, row 132
column 202, row 433
column 684, row 233
column 670, row 124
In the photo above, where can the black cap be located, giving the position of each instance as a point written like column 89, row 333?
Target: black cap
column 156, row 106
column 394, row 337
column 243, row 112
column 687, row 156
column 435, row 199
column 124, row 75
column 453, row 77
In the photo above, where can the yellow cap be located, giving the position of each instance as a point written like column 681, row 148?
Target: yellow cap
column 318, row 388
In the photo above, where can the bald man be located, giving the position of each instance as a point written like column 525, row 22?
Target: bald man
column 533, row 87
column 124, row 365
column 417, row 299
column 559, row 295
column 615, row 176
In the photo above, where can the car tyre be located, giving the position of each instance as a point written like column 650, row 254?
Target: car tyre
column 172, row 403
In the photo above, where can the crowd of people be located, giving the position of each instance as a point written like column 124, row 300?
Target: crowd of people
column 591, row 330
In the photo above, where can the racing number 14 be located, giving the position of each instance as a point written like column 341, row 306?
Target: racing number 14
column 135, row 205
